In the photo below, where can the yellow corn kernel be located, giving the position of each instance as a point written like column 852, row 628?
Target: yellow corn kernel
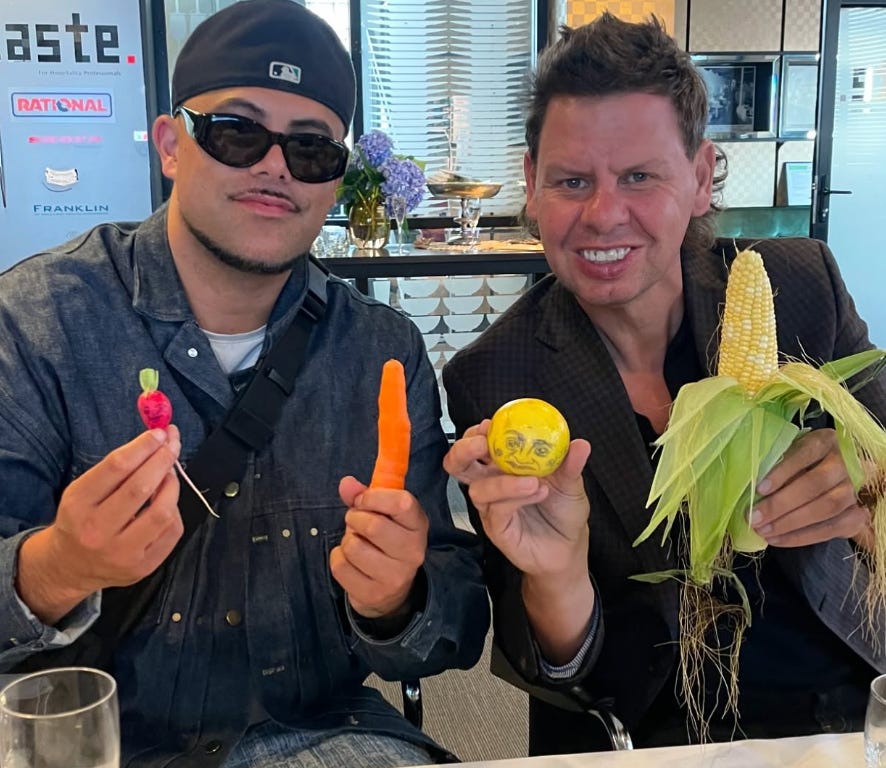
column 748, row 344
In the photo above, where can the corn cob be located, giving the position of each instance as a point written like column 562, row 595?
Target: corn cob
column 748, row 344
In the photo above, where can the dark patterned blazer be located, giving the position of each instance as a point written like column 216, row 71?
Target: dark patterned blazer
column 545, row 346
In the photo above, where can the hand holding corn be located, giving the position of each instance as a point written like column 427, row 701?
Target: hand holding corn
column 808, row 497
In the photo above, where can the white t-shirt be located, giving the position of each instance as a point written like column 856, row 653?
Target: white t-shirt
column 236, row 351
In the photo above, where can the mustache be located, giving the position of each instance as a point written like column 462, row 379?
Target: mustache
column 270, row 192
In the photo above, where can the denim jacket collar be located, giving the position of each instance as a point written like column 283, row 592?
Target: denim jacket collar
column 158, row 293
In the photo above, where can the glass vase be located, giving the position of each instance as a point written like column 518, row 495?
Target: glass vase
column 368, row 226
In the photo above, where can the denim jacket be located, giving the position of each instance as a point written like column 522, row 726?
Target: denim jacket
column 250, row 625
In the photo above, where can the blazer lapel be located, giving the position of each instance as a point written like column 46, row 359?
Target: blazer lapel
column 596, row 406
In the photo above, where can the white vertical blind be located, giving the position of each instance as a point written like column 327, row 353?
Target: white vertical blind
column 446, row 80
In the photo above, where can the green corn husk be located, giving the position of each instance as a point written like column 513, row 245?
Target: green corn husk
column 720, row 443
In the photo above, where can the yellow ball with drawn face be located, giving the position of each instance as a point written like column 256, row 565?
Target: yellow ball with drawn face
column 528, row 437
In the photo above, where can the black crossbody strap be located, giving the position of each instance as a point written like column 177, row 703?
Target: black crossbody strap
column 254, row 416
column 220, row 462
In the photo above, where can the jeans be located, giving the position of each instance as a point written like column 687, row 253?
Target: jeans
column 271, row 745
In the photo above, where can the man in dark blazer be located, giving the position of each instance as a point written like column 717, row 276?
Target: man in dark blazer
column 619, row 180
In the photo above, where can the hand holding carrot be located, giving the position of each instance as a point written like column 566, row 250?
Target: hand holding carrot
column 386, row 531
column 386, row 536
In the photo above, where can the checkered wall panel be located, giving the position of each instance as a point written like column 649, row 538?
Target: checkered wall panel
column 735, row 25
column 582, row 11
column 796, row 150
column 751, row 180
column 802, row 27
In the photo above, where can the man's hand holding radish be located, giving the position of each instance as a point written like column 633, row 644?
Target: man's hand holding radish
column 115, row 524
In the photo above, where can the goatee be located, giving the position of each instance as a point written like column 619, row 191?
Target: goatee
column 235, row 261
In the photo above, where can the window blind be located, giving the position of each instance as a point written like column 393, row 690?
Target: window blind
column 860, row 115
column 446, row 81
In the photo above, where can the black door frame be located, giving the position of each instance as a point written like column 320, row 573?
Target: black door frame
column 821, row 191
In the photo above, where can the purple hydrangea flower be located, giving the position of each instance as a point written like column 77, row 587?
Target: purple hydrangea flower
column 375, row 175
column 377, row 146
column 403, row 178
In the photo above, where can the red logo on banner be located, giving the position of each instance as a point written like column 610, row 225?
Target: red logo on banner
column 61, row 105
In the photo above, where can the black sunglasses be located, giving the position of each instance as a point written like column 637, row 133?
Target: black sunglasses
column 239, row 142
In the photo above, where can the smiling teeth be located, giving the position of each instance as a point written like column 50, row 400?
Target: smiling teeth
column 612, row 254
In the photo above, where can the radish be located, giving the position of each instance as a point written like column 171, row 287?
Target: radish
column 156, row 412
column 153, row 406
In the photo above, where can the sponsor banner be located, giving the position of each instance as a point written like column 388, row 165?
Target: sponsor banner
column 55, row 38
column 73, row 120
column 61, row 104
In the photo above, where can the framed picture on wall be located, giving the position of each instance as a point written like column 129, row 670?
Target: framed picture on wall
column 741, row 94
column 799, row 96
column 731, row 97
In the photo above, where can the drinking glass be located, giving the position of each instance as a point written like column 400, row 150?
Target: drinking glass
column 398, row 211
column 875, row 725
column 468, row 220
column 60, row 718
column 337, row 244
column 470, row 195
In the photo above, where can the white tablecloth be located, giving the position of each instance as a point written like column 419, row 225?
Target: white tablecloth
column 824, row 751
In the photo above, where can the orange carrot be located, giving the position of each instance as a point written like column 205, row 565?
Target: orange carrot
column 394, row 429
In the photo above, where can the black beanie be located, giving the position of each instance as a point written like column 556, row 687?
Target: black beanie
column 275, row 44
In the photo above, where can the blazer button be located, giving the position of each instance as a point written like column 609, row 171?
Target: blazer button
column 233, row 618
column 232, row 489
column 211, row 747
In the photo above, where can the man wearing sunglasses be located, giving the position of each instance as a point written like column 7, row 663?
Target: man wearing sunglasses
column 254, row 650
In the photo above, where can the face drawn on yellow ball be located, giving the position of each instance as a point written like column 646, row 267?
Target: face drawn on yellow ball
column 528, row 437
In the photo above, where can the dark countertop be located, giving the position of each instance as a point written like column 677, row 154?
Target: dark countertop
column 363, row 265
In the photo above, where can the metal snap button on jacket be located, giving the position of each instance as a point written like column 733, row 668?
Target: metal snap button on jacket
column 233, row 618
column 232, row 489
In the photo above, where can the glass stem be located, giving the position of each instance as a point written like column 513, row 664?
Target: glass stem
column 399, row 237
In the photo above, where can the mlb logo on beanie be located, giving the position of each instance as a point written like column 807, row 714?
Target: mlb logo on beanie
column 283, row 71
